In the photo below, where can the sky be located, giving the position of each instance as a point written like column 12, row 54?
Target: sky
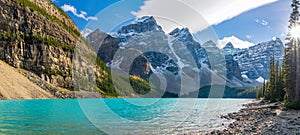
column 242, row 22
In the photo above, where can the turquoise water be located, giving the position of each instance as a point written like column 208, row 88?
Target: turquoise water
column 115, row 116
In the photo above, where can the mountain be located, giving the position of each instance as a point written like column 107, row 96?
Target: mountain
column 254, row 61
column 41, row 39
column 173, row 55
column 186, row 38
column 86, row 32
column 157, row 52
column 140, row 25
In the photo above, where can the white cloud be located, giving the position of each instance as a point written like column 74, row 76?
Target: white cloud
column 262, row 22
column 196, row 14
column 82, row 14
column 249, row 36
column 236, row 42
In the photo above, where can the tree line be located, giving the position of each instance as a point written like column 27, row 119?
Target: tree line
column 284, row 83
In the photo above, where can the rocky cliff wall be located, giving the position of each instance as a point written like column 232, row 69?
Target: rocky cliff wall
column 39, row 37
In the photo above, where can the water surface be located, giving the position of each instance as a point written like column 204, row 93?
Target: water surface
column 115, row 116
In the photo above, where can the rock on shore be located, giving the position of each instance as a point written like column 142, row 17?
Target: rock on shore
column 262, row 117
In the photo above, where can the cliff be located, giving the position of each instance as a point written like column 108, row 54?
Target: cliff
column 39, row 37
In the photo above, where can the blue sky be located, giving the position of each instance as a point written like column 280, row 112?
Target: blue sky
column 239, row 22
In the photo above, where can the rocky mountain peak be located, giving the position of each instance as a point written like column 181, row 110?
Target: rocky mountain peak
column 182, row 34
column 229, row 49
column 140, row 25
column 145, row 19
column 86, row 32
column 96, row 38
column 229, row 45
column 209, row 44
column 95, row 34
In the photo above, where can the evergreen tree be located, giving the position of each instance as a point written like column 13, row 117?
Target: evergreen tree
column 264, row 88
column 278, row 91
column 291, row 58
column 295, row 14
column 272, row 81
column 281, row 85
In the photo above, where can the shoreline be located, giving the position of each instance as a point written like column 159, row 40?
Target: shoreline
column 261, row 117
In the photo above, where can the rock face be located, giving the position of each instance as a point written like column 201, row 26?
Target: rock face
column 30, row 41
column 144, row 24
column 39, row 37
column 96, row 37
column 254, row 61
column 233, row 68
column 186, row 38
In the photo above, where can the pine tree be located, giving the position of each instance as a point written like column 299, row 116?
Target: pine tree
column 291, row 58
column 281, row 85
column 295, row 14
column 278, row 90
column 264, row 88
column 270, row 95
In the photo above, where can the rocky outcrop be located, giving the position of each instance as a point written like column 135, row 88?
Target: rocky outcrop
column 186, row 38
column 96, row 39
column 233, row 68
column 37, row 36
column 41, row 38
column 108, row 47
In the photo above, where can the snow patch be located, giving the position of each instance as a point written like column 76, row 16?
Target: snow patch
column 260, row 79
column 170, row 43
column 86, row 32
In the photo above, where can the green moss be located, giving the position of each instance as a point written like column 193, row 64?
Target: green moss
column 34, row 7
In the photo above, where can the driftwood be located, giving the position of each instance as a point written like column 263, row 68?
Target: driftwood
column 271, row 106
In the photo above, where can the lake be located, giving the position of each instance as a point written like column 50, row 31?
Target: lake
column 115, row 116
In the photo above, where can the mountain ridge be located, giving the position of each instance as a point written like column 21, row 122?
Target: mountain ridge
column 198, row 51
column 209, row 67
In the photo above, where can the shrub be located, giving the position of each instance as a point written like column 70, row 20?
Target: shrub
column 292, row 104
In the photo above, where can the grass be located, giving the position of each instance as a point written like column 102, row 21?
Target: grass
column 34, row 7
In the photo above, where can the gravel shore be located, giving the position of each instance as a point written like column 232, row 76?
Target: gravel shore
column 262, row 117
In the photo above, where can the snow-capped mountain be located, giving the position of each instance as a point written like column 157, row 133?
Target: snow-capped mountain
column 254, row 61
column 86, row 32
column 140, row 25
column 177, row 55
column 186, row 38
